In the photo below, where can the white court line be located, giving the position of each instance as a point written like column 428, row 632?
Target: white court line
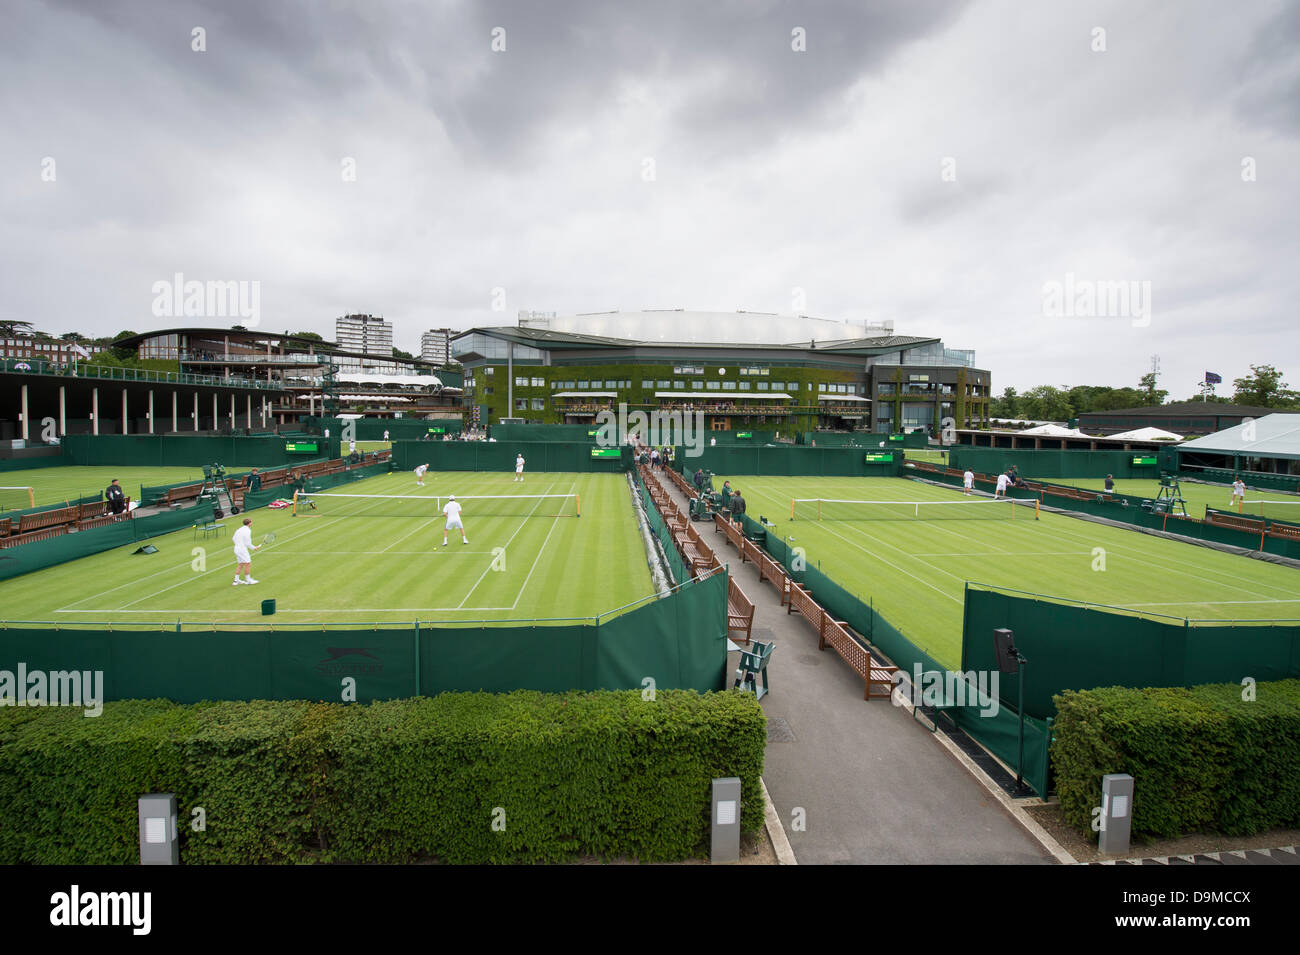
column 540, row 552
column 521, row 526
column 1216, row 603
column 207, row 573
column 280, row 610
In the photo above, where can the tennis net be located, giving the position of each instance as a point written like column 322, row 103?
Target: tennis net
column 1282, row 510
column 429, row 506
column 826, row 509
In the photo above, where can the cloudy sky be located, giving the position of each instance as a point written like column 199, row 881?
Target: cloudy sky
column 940, row 164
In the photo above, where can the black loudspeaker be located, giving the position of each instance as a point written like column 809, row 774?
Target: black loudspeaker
column 217, row 513
column 1004, row 645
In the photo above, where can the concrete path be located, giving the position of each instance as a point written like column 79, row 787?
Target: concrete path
column 860, row 782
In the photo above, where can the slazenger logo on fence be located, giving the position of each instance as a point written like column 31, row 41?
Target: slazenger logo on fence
column 212, row 299
column 977, row 689
column 656, row 429
column 75, row 907
column 334, row 665
column 84, row 688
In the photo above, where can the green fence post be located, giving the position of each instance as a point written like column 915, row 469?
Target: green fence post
column 417, row 658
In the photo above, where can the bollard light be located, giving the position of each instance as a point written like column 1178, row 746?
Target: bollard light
column 725, row 820
column 158, row 842
column 1116, row 813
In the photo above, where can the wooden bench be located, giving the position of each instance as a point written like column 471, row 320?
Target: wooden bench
column 769, row 569
column 878, row 679
column 1285, row 531
column 38, row 535
column 102, row 520
column 6, row 525
column 1254, row 525
column 740, row 610
column 51, row 518
column 186, row 492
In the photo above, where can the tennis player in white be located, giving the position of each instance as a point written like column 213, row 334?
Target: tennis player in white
column 519, row 467
column 452, row 510
column 1002, row 486
column 1238, row 492
column 419, row 474
column 244, row 548
column 968, row 480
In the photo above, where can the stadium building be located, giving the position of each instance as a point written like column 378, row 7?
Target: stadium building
column 545, row 371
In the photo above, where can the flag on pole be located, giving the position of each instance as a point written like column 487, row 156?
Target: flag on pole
column 80, row 351
column 1212, row 379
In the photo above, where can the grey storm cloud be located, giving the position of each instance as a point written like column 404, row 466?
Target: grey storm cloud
column 524, row 170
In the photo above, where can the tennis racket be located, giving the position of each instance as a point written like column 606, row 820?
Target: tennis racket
column 269, row 538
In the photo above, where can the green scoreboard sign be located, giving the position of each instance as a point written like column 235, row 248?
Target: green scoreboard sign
column 879, row 457
column 302, row 447
column 592, row 433
column 1142, row 462
column 437, row 431
column 606, row 453
column 897, row 437
column 744, row 434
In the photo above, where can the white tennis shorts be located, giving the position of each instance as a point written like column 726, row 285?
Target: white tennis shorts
column 242, row 556
column 454, row 525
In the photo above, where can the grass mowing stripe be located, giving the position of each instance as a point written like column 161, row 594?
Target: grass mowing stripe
column 540, row 551
column 522, row 524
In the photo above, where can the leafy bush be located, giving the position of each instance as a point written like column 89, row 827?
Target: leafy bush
column 1201, row 758
column 466, row 777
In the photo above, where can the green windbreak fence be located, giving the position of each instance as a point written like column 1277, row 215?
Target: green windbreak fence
column 678, row 641
column 995, row 727
column 178, row 450
column 500, row 456
column 789, row 460
column 1074, row 647
column 1130, row 509
column 1253, row 479
column 1032, row 463
column 54, row 505
column 372, row 429
column 32, row 463
column 660, row 530
column 849, row 439
column 37, row 555
column 572, row 433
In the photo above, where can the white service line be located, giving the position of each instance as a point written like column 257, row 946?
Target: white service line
column 488, row 569
column 540, row 552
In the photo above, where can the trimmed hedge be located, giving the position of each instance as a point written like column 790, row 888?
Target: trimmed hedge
column 1202, row 759
column 602, row 773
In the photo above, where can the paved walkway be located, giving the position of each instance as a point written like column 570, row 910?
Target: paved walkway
column 870, row 784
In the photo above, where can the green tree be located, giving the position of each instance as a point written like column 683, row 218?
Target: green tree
column 1264, row 388
column 124, row 354
column 311, row 336
column 1006, row 405
column 1151, row 394
column 16, row 329
column 1046, row 403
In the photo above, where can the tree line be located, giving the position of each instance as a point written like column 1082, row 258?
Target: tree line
column 1262, row 388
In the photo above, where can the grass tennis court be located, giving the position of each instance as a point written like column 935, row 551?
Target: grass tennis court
column 57, row 484
column 914, row 569
column 375, row 559
column 1199, row 496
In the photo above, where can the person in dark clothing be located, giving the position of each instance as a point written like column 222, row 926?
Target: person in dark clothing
column 699, row 479
column 737, row 506
column 116, row 499
column 1110, row 483
column 254, row 481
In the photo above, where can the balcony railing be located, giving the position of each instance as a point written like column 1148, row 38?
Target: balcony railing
column 37, row 366
column 252, row 358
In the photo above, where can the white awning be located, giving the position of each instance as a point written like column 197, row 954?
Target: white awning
column 585, row 394
column 727, row 396
column 393, row 398
column 841, row 398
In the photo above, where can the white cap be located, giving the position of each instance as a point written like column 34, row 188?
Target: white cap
column 451, row 497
